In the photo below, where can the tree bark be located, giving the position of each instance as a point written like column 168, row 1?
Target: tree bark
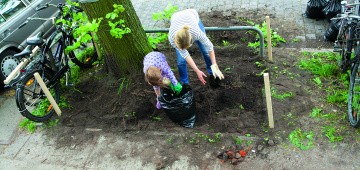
column 123, row 55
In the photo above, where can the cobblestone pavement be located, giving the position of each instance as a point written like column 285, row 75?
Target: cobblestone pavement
column 288, row 10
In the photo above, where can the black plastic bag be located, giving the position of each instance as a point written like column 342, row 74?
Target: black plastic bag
column 180, row 108
column 332, row 9
column 332, row 31
column 314, row 9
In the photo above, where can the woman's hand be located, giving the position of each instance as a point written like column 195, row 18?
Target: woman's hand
column 201, row 76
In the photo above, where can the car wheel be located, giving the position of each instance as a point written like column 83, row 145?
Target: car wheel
column 7, row 64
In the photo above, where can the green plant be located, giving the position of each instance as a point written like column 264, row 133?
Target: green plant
column 227, row 69
column 301, row 139
column 241, row 107
column 238, row 140
column 125, row 82
column 320, row 64
column 130, row 114
column 165, row 15
column 157, row 118
column 275, row 38
column 317, row 81
column 28, row 124
column 337, row 96
column 332, row 134
column 283, row 96
column 316, row 113
column 258, row 64
column 170, row 140
column 225, row 43
column 295, row 40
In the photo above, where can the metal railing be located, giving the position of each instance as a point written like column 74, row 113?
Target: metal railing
column 231, row 28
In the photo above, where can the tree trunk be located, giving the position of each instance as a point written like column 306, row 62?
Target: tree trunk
column 123, row 55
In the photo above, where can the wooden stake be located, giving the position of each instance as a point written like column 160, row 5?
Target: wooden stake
column 47, row 93
column 20, row 66
column 269, row 38
column 16, row 71
column 268, row 100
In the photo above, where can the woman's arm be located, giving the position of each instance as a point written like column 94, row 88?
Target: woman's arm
column 198, row 72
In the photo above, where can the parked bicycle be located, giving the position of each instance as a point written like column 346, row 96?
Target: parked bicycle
column 347, row 44
column 52, row 64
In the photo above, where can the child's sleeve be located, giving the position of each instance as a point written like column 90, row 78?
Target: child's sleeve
column 167, row 72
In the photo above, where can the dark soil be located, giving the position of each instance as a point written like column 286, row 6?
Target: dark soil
column 236, row 108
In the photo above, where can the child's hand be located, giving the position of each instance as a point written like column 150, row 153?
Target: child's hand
column 177, row 89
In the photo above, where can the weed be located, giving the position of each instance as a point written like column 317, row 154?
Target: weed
column 302, row 140
column 130, row 115
column 320, row 64
column 318, row 81
column 295, row 40
column 170, row 140
column 227, row 69
column 125, row 82
column 241, row 107
column 332, row 134
column 275, row 38
column 28, row 124
column 337, row 96
column 157, row 118
column 165, row 15
column 225, row 43
column 216, row 138
column 258, row 64
column 238, row 140
column 316, row 113
column 282, row 97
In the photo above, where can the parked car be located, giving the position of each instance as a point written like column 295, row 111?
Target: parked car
column 12, row 38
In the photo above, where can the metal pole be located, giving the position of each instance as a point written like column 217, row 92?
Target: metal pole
column 231, row 28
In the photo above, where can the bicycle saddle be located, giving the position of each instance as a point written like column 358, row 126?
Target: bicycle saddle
column 35, row 40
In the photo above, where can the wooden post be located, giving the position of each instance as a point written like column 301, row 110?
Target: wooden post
column 16, row 71
column 20, row 66
column 268, row 100
column 47, row 93
column 269, row 46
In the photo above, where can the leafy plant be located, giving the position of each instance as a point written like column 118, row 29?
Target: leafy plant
column 316, row 113
column 125, row 82
column 165, row 15
column 157, row 118
column 317, row 81
column 332, row 134
column 283, row 96
column 275, row 38
column 238, row 140
column 225, row 43
column 301, row 139
column 320, row 64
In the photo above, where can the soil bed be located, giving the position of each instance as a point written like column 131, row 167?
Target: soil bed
column 236, row 108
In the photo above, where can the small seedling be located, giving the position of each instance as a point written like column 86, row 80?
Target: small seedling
column 225, row 43
column 301, row 139
column 318, row 81
column 237, row 140
column 157, row 118
column 332, row 134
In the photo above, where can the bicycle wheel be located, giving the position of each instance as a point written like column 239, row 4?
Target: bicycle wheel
column 85, row 55
column 31, row 100
column 354, row 94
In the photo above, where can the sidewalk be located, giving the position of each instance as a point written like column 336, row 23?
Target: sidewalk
column 20, row 150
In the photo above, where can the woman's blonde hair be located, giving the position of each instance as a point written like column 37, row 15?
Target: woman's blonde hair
column 183, row 38
column 153, row 76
